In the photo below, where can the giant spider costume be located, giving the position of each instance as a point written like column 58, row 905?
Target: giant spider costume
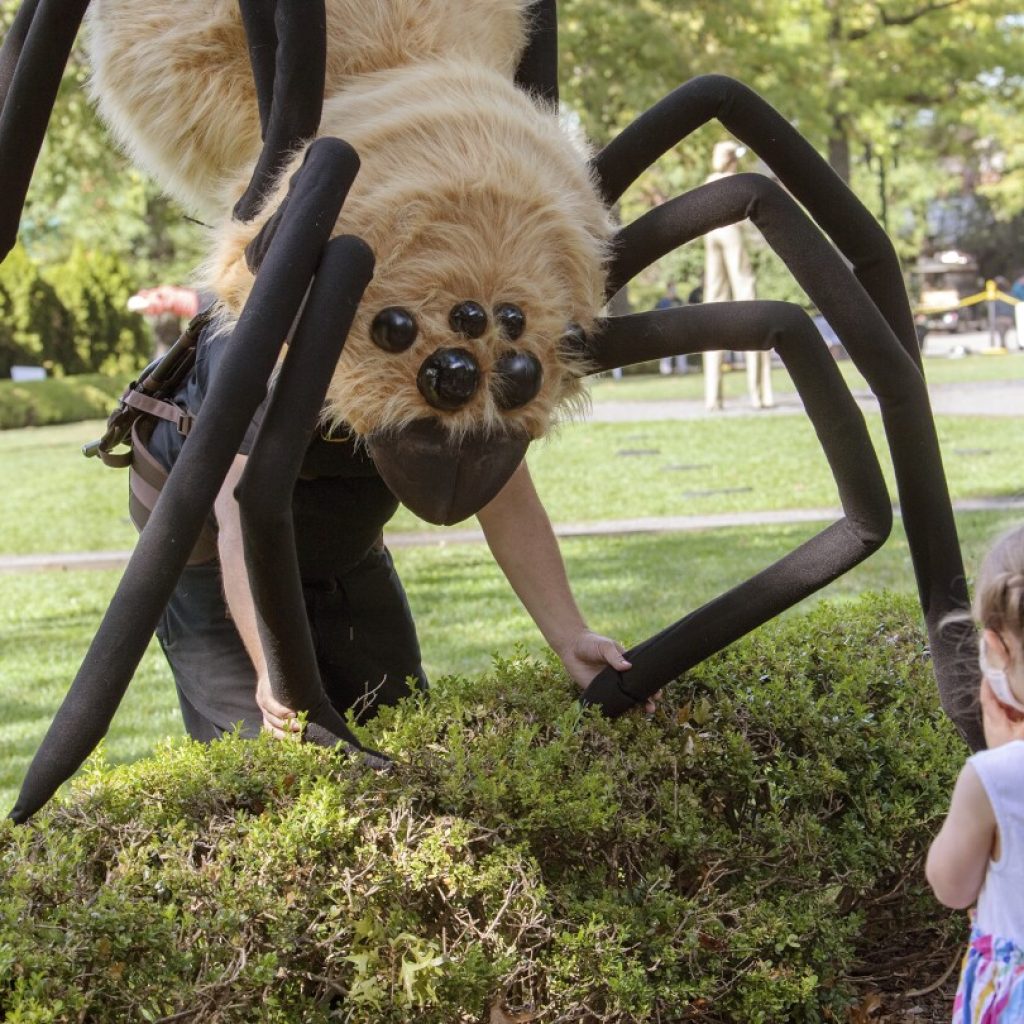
column 444, row 299
column 360, row 622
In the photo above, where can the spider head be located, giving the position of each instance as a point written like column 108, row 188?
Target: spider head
column 458, row 357
column 490, row 243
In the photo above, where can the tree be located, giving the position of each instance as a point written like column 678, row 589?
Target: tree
column 85, row 191
column 831, row 65
column 904, row 98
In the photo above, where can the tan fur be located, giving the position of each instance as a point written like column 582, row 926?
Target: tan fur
column 467, row 190
column 174, row 83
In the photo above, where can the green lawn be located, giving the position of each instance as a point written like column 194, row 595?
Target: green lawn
column 586, row 472
column 938, row 370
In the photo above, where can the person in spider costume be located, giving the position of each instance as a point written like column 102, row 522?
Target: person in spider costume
column 432, row 266
column 367, row 650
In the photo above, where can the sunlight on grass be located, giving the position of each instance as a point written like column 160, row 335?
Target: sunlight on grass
column 57, row 500
column 629, row 586
column 938, row 370
column 586, row 472
column 46, row 623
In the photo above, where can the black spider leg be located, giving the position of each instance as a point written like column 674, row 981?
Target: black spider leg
column 317, row 192
column 840, row 427
column 288, row 52
column 14, row 42
column 32, row 61
column 792, row 159
column 894, row 374
column 265, row 490
column 261, row 37
column 537, row 72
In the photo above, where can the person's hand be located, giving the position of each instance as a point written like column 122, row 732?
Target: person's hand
column 589, row 653
column 279, row 720
column 1001, row 723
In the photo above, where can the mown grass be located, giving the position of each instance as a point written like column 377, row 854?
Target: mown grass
column 58, row 399
column 939, row 370
column 58, row 501
column 627, row 586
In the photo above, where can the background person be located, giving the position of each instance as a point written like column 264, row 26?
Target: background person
column 165, row 307
column 1017, row 291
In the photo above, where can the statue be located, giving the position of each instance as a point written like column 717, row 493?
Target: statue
column 728, row 275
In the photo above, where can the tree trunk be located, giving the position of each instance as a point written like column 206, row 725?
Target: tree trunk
column 839, row 149
column 838, row 136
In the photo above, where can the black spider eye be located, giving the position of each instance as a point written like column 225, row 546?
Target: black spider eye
column 448, row 378
column 468, row 319
column 394, row 329
column 511, row 319
column 518, row 378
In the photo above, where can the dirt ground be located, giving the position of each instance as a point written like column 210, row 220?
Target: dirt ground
column 923, row 995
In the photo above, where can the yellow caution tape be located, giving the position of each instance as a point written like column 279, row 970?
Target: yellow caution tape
column 990, row 294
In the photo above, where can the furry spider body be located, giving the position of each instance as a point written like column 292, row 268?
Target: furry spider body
column 175, row 82
column 466, row 263
column 469, row 190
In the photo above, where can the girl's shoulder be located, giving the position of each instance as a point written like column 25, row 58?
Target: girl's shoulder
column 1000, row 770
column 1008, row 757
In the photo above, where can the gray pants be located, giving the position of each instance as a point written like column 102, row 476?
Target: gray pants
column 363, row 634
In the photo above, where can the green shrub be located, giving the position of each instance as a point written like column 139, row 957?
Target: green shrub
column 40, row 403
column 71, row 317
column 94, row 287
column 35, row 326
column 737, row 858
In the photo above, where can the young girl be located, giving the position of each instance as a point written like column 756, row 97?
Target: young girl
column 979, row 853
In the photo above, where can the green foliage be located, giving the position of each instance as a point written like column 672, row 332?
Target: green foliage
column 85, row 190
column 911, row 103
column 35, row 326
column 918, row 101
column 71, row 317
column 736, row 858
column 94, row 287
column 38, row 403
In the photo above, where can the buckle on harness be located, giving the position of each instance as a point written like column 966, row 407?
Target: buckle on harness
column 142, row 396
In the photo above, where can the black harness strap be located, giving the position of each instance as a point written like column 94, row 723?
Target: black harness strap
column 146, row 479
column 132, row 423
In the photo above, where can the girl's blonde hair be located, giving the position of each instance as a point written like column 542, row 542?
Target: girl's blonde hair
column 999, row 587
